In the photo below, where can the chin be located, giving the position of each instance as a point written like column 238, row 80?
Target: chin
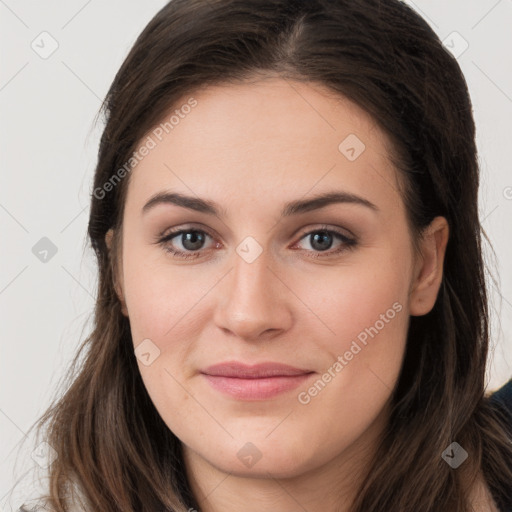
column 259, row 458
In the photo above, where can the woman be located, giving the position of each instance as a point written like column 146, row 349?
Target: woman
column 292, row 311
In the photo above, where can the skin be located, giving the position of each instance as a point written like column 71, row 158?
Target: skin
column 251, row 148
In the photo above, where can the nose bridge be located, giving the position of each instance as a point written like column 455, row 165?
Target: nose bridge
column 251, row 302
column 251, row 279
column 251, row 274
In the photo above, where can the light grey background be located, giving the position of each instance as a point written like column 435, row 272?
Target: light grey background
column 48, row 152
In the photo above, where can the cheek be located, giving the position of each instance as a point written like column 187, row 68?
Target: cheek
column 159, row 297
column 365, row 316
column 363, row 301
column 368, row 314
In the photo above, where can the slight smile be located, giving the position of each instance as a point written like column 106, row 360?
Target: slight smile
column 256, row 382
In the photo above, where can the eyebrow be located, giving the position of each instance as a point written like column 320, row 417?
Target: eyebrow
column 291, row 208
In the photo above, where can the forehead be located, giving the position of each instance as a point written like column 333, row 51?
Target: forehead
column 264, row 141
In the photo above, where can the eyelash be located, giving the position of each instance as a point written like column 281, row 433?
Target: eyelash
column 348, row 243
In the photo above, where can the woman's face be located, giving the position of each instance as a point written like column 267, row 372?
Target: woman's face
column 325, row 287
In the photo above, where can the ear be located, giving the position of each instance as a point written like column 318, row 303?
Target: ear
column 428, row 272
column 118, row 283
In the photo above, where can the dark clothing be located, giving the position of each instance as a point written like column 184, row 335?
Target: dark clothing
column 502, row 399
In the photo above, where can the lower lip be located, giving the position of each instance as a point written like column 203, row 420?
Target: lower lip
column 256, row 389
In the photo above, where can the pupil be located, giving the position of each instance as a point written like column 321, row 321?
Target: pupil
column 192, row 240
column 322, row 236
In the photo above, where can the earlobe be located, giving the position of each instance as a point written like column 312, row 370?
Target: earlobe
column 429, row 268
column 118, row 286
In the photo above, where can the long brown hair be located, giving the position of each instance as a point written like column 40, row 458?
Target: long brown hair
column 111, row 442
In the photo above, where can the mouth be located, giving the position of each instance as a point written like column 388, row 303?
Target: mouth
column 257, row 382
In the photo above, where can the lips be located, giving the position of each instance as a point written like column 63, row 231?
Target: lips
column 257, row 371
column 256, row 382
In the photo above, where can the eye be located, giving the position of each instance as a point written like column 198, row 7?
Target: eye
column 193, row 240
column 190, row 239
column 321, row 240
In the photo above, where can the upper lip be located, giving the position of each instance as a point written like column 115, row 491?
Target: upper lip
column 257, row 371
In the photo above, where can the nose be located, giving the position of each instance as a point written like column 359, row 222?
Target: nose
column 252, row 301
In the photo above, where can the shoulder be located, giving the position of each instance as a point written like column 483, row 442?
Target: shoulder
column 38, row 500
column 34, row 506
column 481, row 498
column 42, row 505
column 504, row 393
column 502, row 398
